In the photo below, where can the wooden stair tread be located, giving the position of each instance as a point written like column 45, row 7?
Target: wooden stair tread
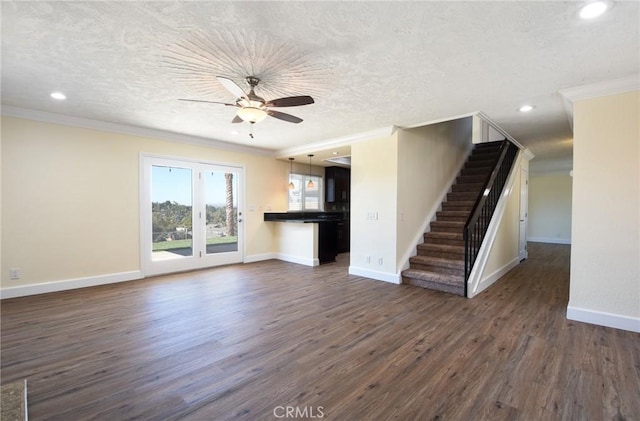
column 432, row 276
column 463, row 179
column 459, row 202
column 452, row 213
column 454, row 224
column 444, row 234
column 438, row 261
column 442, row 247
column 424, row 279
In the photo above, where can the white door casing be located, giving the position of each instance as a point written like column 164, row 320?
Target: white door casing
column 193, row 248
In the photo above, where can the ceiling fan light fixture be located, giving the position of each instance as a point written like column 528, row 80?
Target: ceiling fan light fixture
column 252, row 114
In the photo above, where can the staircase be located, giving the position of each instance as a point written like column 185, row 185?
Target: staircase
column 439, row 263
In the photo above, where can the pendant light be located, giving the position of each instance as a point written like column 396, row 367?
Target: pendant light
column 310, row 183
column 291, row 186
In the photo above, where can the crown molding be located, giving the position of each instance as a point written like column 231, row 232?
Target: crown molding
column 607, row 87
column 337, row 142
column 527, row 154
column 86, row 123
column 594, row 90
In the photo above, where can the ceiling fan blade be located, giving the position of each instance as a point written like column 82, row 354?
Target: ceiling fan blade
column 290, row 101
column 284, row 116
column 208, row 102
column 232, row 87
column 237, row 119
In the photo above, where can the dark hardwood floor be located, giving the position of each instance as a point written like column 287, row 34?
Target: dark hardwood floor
column 245, row 342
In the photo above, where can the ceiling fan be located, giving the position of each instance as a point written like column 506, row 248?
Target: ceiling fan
column 252, row 108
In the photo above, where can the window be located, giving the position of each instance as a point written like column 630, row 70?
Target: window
column 302, row 198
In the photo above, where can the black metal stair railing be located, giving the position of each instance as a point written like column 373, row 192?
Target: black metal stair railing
column 476, row 226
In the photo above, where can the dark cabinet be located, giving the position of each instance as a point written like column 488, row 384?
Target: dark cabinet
column 343, row 236
column 337, row 197
column 337, row 182
column 327, row 241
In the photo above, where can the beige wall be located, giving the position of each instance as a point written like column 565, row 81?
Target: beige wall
column 401, row 178
column 605, row 253
column 70, row 199
column 374, row 175
column 505, row 247
column 2, row 269
column 429, row 158
column 550, row 208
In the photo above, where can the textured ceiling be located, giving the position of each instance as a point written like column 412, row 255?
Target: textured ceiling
column 367, row 64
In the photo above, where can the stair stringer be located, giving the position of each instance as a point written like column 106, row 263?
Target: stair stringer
column 476, row 284
column 412, row 250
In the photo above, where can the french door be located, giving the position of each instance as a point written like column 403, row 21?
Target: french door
column 191, row 215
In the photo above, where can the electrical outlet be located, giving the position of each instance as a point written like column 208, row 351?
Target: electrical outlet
column 372, row 215
column 380, row 261
column 14, row 273
column 368, row 259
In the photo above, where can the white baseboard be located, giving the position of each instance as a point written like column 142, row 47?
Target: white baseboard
column 260, row 257
column 307, row 261
column 393, row 278
column 490, row 279
column 54, row 286
column 549, row 240
column 601, row 318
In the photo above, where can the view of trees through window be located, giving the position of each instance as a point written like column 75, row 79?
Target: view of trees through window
column 172, row 213
column 171, row 222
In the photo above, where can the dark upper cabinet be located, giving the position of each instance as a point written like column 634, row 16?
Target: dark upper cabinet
column 337, row 182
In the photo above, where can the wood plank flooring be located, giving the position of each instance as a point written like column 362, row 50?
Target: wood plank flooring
column 245, row 342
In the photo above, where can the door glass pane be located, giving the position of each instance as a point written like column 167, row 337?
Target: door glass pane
column 171, row 213
column 221, row 200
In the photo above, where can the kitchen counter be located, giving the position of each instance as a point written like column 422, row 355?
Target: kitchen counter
column 317, row 245
column 303, row 217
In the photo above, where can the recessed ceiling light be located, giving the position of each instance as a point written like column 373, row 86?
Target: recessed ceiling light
column 235, row 132
column 58, row 95
column 526, row 108
column 334, row 153
column 593, row 10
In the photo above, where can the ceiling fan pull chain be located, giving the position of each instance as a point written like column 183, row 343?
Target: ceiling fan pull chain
column 251, row 131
